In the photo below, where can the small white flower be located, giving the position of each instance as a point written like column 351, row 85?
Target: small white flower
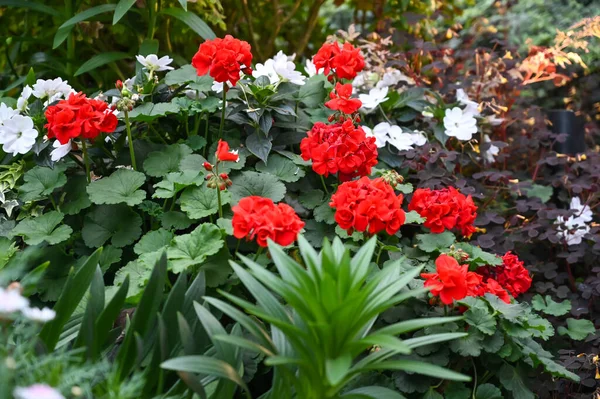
column 359, row 80
column 402, row 141
column 419, row 138
column 460, row 124
column 17, row 135
column 11, row 301
column 374, row 98
column 572, row 231
column 154, row 64
column 490, row 154
column 494, row 120
column 392, row 77
column 37, row 391
column 54, row 89
column 22, row 102
column 393, row 134
column 267, row 69
column 380, row 131
column 584, row 212
column 60, row 150
column 311, row 69
column 40, row 315
column 471, row 106
column 286, row 69
column 6, row 113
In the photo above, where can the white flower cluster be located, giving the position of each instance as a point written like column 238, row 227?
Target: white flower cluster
column 385, row 133
column 281, row 68
column 11, row 302
column 461, row 123
column 573, row 230
column 380, row 87
column 37, row 391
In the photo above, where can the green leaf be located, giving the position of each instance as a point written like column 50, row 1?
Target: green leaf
column 187, row 74
column 470, row 345
column 311, row 199
column 324, row 213
column 121, row 186
column 110, row 255
column 313, row 93
column 76, row 196
column 99, row 60
column 122, row 7
column 336, row 369
column 480, row 317
column 259, row 144
column 457, row 390
column 73, row 291
column 148, row 112
column 253, row 183
column 225, row 225
column 32, row 5
column 192, row 20
column 199, row 202
column 117, row 223
column 43, row 228
column 477, row 256
column 89, row 13
column 153, row 241
column 138, row 272
column 282, row 167
column 510, row 378
column 432, row 394
column 414, row 217
column 435, row 242
column 548, row 306
column 106, row 319
column 544, row 193
column 488, row 391
column 372, row 392
column 40, row 182
column 175, row 220
column 61, row 35
column 174, row 182
column 183, row 4
column 192, row 249
column 577, row 329
column 160, row 163
column 205, row 365
column 7, row 250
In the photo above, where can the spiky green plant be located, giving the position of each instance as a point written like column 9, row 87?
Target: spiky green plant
column 323, row 337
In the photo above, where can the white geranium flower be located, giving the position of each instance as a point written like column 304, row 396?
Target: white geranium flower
column 22, row 102
column 572, row 231
column 39, row 315
column 311, row 69
column 402, row 141
column 286, row 69
column 419, row 138
column 6, row 113
column 17, row 135
column 583, row 211
column 380, row 131
column 154, row 64
column 11, row 301
column 267, row 69
column 374, row 98
column 471, row 106
column 460, row 124
column 37, row 391
column 490, row 154
column 54, row 89
column 60, row 150
column 393, row 134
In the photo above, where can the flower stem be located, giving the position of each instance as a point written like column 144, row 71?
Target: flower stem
column 219, row 202
column 223, row 111
column 128, row 127
column 324, row 185
column 260, row 249
column 86, row 160
column 206, row 135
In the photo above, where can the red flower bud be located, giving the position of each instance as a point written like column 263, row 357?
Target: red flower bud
column 207, row 166
column 224, row 176
column 331, row 118
column 119, row 85
column 222, row 186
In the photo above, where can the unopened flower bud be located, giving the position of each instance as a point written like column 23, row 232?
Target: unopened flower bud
column 222, row 186
column 211, row 184
column 331, row 118
column 357, row 119
column 228, row 182
column 207, row 166
column 119, row 84
column 224, row 176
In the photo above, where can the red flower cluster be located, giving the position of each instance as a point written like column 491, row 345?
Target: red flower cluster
column 445, row 209
column 79, row 116
column 341, row 101
column 339, row 148
column 512, row 275
column 223, row 59
column 258, row 218
column 454, row 282
column 345, row 62
column 368, row 205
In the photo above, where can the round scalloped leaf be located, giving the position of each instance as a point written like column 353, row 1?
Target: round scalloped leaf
column 120, row 187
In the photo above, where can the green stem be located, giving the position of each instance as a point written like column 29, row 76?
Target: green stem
column 260, row 250
column 223, row 111
column 53, row 202
column 324, row 185
column 86, row 160
column 187, row 125
column 219, row 202
column 131, row 152
column 152, row 18
column 206, row 135
column 379, row 254
column 237, row 246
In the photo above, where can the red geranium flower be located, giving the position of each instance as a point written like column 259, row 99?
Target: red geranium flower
column 368, row 205
column 79, row 116
column 492, row 287
column 445, row 209
column 475, row 286
column 223, row 153
column 345, row 62
column 258, row 218
column 340, row 148
column 450, row 281
column 341, row 101
column 223, row 59
column 511, row 275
